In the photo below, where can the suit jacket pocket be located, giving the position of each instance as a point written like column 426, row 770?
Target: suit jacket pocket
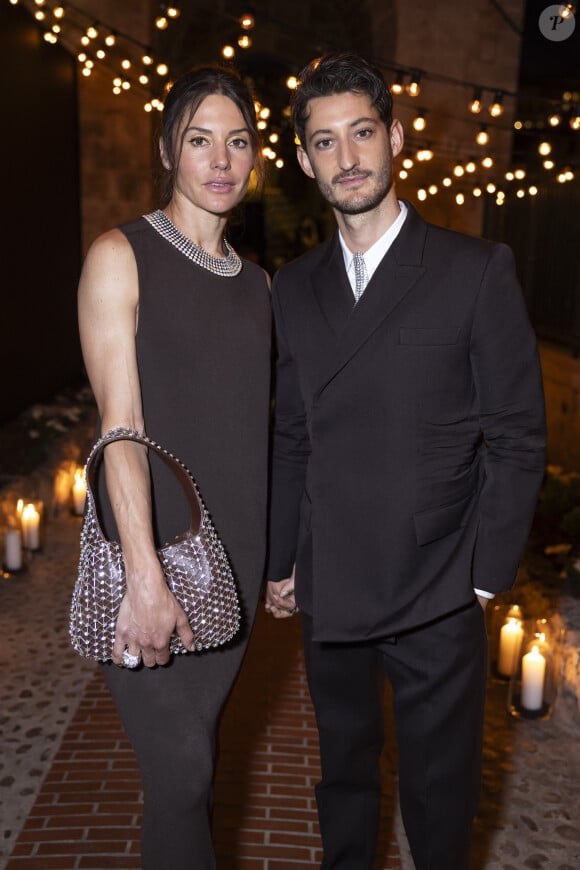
column 426, row 337
column 438, row 522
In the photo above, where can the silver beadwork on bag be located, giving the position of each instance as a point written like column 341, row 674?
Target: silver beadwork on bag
column 195, row 565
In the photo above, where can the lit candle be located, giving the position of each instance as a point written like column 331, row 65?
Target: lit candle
column 533, row 675
column 30, row 527
column 19, row 507
column 79, row 492
column 13, row 550
column 510, row 642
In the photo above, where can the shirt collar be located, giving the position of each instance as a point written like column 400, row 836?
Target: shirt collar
column 377, row 251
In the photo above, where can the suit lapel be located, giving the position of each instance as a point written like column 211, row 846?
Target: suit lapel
column 397, row 273
column 331, row 287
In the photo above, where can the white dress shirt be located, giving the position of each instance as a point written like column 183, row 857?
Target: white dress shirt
column 376, row 252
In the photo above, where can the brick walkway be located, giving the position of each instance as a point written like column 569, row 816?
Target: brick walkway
column 87, row 812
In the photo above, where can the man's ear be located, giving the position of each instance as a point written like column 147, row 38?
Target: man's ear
column 165, row 161
column 304, row 161
column 397, row 137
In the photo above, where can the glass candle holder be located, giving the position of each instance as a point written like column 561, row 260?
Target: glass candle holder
column 533, row 686
column 506, row 633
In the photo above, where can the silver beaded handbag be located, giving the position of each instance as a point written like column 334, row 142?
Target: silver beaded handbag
column 195, row 565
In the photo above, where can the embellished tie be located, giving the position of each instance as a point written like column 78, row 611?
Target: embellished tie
column 361, row 277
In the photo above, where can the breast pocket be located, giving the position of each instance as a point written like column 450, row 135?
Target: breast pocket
column 429, row 337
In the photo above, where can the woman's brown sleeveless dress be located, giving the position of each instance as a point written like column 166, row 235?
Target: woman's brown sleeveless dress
column 203, row 353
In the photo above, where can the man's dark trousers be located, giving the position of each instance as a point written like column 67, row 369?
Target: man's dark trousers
column 438, row 676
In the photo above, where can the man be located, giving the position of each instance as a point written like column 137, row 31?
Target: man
column 408, row 453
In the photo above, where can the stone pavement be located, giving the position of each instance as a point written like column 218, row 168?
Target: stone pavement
column 69, row 789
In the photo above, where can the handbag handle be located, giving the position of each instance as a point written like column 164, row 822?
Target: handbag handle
column 120, row 433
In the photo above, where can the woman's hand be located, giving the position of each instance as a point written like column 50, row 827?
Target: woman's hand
column 148, row 616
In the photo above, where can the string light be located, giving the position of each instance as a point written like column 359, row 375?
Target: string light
column 247, row 21
column 475, row 104
column 279, row 163
column 533, row 190
column 477, row 192
column 424, row 154
column 567, row 110
column 397, row 87
column 422, row 194
column 459, row 198
column 490, row 187
column 414, row 86
column 566, row 10
column 161, row 22
column 419, row 122
column 482, row 137
column 496, row 107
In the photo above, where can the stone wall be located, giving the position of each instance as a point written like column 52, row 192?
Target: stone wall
column 561, row 373
column 116, row 134
column 471, row 42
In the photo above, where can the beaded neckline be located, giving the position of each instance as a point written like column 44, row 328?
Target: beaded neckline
column 226, row 267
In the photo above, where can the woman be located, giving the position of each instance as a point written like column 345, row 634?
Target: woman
column 175, row 331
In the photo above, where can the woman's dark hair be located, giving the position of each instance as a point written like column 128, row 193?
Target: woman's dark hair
column 339, row 73
column 183, row 101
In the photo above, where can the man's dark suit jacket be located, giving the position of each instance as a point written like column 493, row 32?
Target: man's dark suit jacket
column 410, row 433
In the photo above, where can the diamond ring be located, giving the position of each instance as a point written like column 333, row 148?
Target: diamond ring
column 131, row 661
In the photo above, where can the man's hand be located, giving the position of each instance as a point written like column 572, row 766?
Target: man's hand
column 280, row 601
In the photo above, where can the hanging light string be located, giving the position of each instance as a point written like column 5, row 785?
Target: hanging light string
column 135, row 69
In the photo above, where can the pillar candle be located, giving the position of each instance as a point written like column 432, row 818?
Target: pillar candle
column 13, row 550
column 79, row 492
column 533, row 675
column 30, row 527
column 510, row 642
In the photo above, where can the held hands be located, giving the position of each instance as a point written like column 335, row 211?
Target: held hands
column 148, row 616
column 280, row 601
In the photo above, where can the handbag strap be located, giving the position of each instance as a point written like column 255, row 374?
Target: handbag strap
column 183, row 475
